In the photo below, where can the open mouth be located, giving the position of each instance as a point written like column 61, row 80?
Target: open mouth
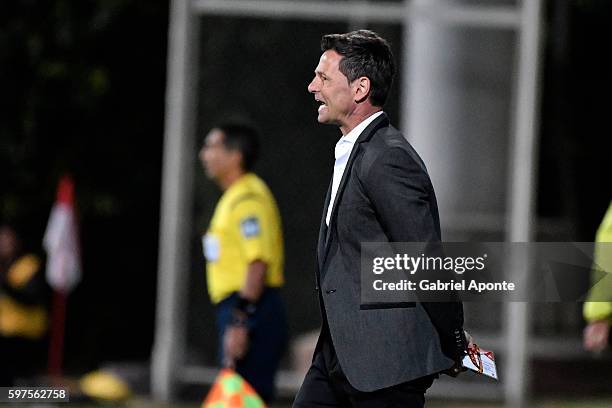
column 321, row 104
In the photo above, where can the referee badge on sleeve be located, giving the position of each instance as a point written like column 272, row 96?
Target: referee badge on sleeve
column 250, row 227
column 210, row 244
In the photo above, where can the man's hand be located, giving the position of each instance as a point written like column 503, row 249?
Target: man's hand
column 235, row 344
column 469, row 339
column 455, row 370
column 596, row 336
column 458, row 367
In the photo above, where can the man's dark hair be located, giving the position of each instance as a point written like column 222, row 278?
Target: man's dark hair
column 244, row 138
column 366, row 54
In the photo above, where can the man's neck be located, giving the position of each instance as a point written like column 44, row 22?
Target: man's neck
column 358, row 116
column 230, row 178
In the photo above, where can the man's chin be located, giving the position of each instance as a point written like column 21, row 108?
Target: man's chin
column 323, row 119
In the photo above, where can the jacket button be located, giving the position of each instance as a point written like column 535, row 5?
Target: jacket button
column 330, row 291
column 317, row 288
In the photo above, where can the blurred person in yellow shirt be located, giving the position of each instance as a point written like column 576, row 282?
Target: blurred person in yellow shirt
column 244, row 252
column 23, row 315
column 598, row 309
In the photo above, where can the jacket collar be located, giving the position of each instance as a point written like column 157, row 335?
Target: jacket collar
column 324, row 231
column 372, row 128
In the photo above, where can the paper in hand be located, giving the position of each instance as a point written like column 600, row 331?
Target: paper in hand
column 480, row 361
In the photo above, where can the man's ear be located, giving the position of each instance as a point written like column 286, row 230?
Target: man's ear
column 236, row 157
column 362, row 89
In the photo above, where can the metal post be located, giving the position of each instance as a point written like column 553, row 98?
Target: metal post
column 453, row 123
column 176, row 199
column 372, row 12
column 522, row 198
column 360, row 21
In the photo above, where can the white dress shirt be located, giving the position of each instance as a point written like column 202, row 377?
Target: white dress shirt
column 342, row 153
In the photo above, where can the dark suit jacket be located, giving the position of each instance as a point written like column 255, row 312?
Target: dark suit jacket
column 385, row 195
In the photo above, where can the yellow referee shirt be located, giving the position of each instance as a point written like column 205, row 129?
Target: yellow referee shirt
column 601, row 310
column 245, row 227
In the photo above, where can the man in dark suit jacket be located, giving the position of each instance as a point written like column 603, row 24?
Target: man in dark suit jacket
column 384, row 354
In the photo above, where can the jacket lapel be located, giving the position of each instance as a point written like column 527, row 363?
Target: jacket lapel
column 323, row 229
column 366, row 135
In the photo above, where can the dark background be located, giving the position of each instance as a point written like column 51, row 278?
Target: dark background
column 82, row 90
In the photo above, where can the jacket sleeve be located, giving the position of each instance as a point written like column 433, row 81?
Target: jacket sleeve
column 400, row 191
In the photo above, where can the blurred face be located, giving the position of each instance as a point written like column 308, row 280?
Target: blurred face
column 217, row 159
column 8, row 243
column 331, row 89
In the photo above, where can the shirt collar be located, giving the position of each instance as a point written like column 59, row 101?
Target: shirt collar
column 354, row 134
column 347, row 141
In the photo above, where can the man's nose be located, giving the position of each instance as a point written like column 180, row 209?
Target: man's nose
column 312, row 85
column 202, row 154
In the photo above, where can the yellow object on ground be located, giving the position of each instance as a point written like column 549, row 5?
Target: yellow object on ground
column 105, row 386
column 230, row 390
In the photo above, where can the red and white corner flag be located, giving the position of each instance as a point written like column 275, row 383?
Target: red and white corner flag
column 61, row 240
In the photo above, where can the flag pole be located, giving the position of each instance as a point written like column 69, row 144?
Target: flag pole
column 56, row 340
column 61, row 241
